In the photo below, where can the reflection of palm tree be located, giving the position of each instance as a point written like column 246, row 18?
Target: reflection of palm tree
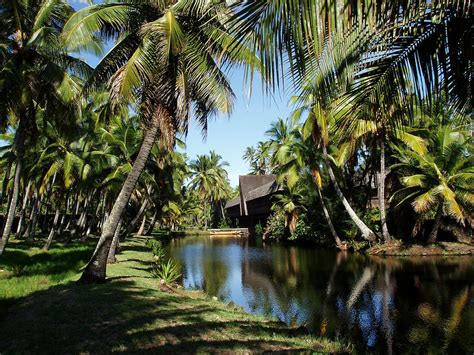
column 367, row 275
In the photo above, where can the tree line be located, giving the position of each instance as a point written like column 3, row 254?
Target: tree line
column 354, row 63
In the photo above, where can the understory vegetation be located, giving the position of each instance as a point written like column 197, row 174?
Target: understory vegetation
column 428, row 169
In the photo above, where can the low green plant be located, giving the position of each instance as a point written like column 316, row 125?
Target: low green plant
column 156, row 248
column 168, row 272
column 259, row 230
column 18, row 270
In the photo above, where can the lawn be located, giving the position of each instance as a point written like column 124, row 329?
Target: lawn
column 43, row 310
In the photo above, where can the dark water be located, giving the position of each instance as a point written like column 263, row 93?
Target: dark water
column 381, row 305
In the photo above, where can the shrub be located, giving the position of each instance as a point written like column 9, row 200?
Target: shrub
column 156, row 248
column 18, row 270
column 259, row 230
column 168, row 272
column 276, row 226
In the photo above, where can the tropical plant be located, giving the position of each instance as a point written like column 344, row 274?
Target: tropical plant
column 167, row 272
column 164, row 63
column 36, row 73
column 438, row 184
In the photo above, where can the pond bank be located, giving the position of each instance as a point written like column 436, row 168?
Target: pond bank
column 397, row 248
column 131, row 314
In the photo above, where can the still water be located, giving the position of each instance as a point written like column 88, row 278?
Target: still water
column 381, row 305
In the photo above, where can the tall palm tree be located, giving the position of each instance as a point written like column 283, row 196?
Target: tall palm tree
column 209, row 179
column 373, row 130
column 439, row 183
column 167, row 61
column 36, row 72
column 293, row 156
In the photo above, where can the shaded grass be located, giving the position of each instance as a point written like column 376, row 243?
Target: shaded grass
column 25, row 268
column 130, row 313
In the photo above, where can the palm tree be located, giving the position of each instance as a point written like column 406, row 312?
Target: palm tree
column 36, row 72
column 167, row 61
column 258, row 158
column 439, row 183
column 398, row 46
column 293, row 156
column 373, row 130
column 209, row 180
column 291, row 202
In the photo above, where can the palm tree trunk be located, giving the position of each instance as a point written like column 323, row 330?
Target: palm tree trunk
column 434, row 232
column 19, row 148
column 23, row 210
column 142, row 225
column 6, row 178
column 338, row 241
column 364, row 229
column 95, row 270
column 152, row 223
column 111, row 259
column 12, row 207
column 133, row 223
column 53, row 230
column 381, row 193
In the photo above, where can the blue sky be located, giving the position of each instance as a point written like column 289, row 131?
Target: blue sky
column 229, row 136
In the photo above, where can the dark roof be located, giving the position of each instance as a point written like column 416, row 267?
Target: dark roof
column 263, row 190
column 234, row 202
column 248, row 183
column 252, row 187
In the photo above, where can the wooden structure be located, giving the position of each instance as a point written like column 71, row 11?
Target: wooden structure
column 229, row 232
column 253, row 205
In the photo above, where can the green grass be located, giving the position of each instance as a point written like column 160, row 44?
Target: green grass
column 47, row 312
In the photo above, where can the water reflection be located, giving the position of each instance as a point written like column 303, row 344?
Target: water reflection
column 393, row 305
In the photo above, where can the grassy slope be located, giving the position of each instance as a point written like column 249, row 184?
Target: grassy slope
column 46, row 311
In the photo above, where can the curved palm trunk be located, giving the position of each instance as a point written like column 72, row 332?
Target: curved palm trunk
column 152, row 223
column 338, row 241
column 142, row 226
column 53, row 230
column 19, row 146
column 364, row 229
column 95, row 270
column 437, row 223
column 23, row 210
column 381, row 193
column 111, row 259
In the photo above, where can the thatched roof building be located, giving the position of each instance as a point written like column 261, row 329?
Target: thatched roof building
column 254, row 203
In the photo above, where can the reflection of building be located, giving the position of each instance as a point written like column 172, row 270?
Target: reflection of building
column 253, row 205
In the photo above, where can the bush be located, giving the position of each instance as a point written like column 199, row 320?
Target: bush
column 156, row 248
column 167, row 272
column 259, row 230
column 276, row 226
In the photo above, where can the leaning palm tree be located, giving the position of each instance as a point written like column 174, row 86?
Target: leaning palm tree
column 439, row 183
column 167, row 62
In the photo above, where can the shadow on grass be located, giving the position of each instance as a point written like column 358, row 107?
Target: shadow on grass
column 55, row 261
column 120, row 316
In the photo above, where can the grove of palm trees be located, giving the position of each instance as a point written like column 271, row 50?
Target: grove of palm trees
column 99, row 194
